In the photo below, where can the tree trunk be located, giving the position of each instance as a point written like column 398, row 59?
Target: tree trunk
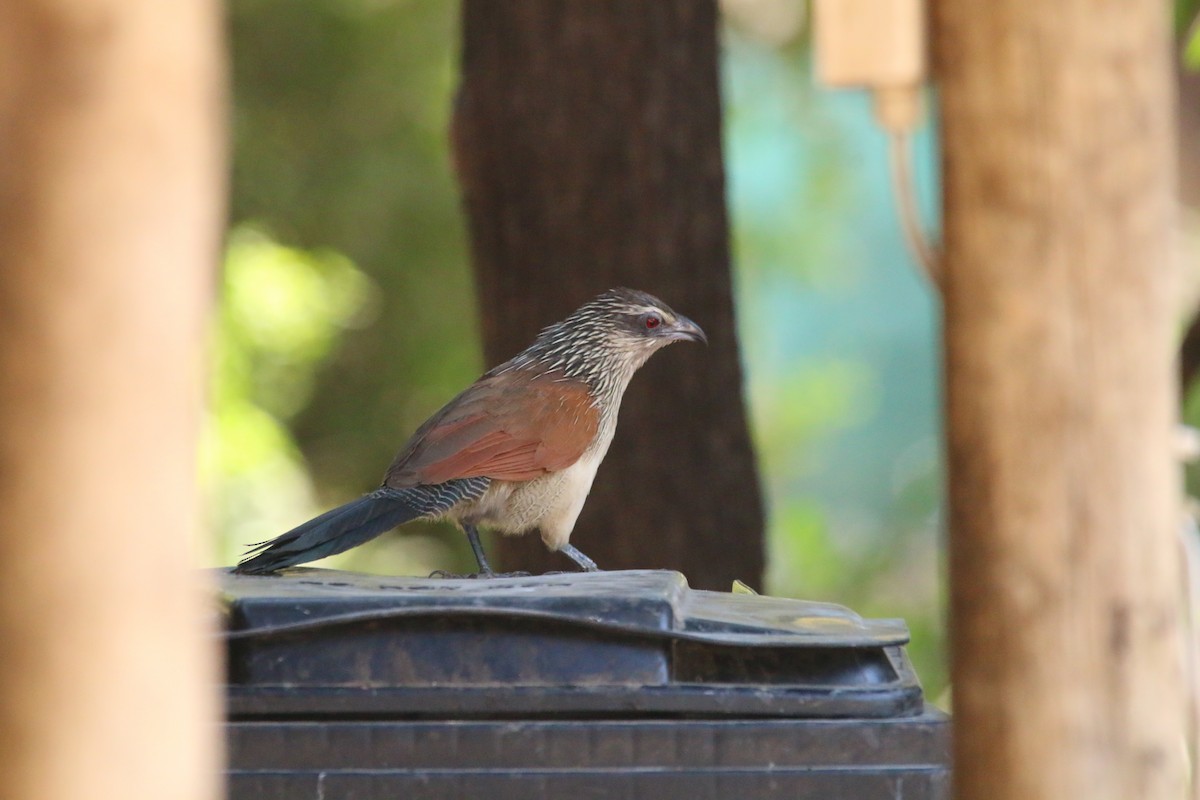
column 1058, row 130
column 110, row 186
column 588, row 140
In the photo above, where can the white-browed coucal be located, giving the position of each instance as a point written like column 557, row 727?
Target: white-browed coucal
column 516, row 451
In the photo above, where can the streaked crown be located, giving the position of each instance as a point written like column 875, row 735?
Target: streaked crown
column 604, row 341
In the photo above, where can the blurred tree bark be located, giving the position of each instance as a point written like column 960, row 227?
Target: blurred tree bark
column 111, row 185
column 1060, row 312
column 588, row 143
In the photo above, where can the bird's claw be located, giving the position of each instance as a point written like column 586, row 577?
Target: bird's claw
column 441, row 573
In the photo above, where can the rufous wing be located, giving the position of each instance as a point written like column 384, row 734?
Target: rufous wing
column 511, row 427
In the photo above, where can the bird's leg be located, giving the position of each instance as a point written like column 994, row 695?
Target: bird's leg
column 485, row 568
column 572, row 552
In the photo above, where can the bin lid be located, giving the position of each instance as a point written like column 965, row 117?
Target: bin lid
column 316, row 641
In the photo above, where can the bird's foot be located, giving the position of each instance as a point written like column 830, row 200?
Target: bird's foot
column 441, row 573
column 585, row 563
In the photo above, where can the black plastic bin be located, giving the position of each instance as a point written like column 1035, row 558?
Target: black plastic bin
column 615, row 684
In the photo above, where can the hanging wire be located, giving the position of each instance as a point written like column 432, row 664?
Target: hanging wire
column 924, row 252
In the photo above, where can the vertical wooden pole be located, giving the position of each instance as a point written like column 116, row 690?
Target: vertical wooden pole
column 1057, row 123
column 111, row 170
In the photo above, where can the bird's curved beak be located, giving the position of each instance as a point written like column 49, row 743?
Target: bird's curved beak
column 684, row 330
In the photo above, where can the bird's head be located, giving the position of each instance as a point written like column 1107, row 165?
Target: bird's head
column 608, row 338
column 639, row 322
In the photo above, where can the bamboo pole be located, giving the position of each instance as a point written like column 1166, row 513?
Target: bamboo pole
column 110, row 184
column 1057, row 123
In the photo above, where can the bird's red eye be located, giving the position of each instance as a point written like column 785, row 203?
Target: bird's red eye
column 653, row 322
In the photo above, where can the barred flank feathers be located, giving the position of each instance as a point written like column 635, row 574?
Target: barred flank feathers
column 357, row 522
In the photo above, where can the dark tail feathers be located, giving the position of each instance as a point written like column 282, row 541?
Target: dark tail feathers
column 357, row 522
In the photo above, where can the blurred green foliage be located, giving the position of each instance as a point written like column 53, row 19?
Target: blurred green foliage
column 1187, row 23
column 282, row 311
column 1185, row 13
column 341, row 110
column 355, row 318
column 1191, row 48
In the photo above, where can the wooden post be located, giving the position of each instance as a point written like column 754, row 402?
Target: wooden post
column 588, row 141
column 111, row 170
column 1057, row 122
